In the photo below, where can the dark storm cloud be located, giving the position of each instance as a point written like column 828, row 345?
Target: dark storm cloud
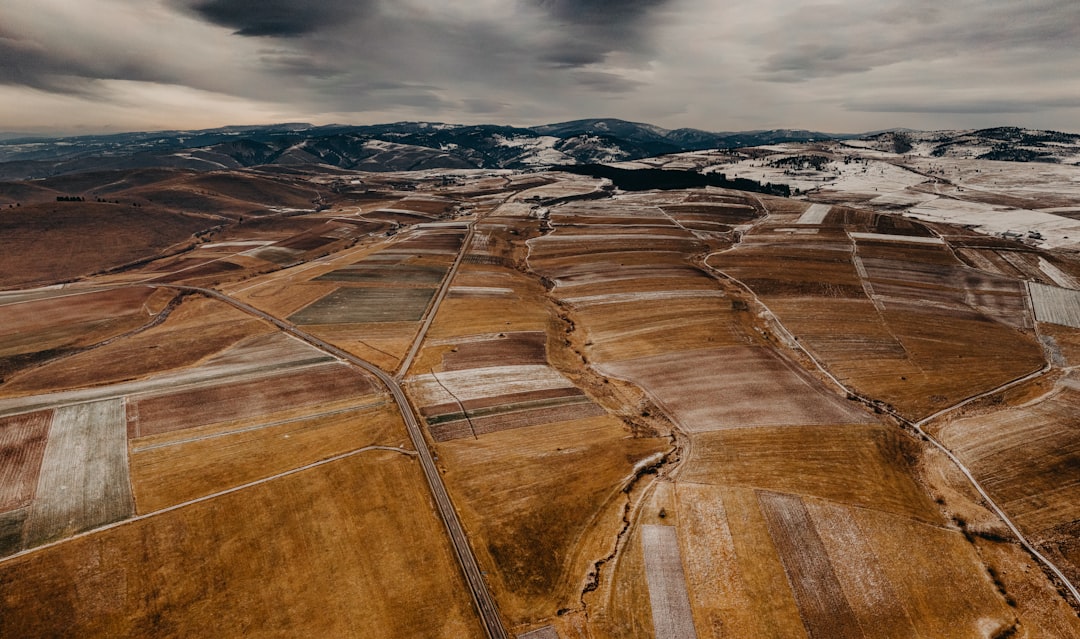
column 823, row 63
column 599, row 13
column 483, row 106
column 29, row 62
column 605, row 82
column 280, row 18
column 833, row 40
column 590, row 30
column 963, row 106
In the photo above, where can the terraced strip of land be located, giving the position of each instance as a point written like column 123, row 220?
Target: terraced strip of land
column 1055, row 304
column 793, row 575
column 672, row 618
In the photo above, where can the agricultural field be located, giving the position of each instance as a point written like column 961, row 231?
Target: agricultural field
column 466, row 403
column 778, row 457
column 1028, row 458
column 921, row 329
column 536, row 465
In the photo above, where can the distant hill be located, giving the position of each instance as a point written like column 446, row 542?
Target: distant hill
column 410, row 146
column 400, row 146
column 1010, row 144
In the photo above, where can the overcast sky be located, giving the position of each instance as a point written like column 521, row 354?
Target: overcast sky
column 82, row 66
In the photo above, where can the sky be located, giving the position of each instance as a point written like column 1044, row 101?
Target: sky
column 842, row 66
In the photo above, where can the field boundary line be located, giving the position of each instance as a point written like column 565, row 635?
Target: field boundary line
column 260, row 426
column 198, row 500
column 917, row 426
column 433, row 309
column 470, row 568
column 161, row 384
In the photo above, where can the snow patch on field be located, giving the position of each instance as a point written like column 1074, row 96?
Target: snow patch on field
column 84, row 475
column 1057, row 231
column 1055, row 305
column 477, row 383
column 637, row 297
column 1059, row 277
column 236, row 243
column 671, row 613
column 887, row 237
column 814, row 214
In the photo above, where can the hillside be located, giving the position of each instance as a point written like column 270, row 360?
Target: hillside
column 494, row 404
column 403, row 146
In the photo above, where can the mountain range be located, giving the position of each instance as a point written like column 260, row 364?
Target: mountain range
column 408, row 146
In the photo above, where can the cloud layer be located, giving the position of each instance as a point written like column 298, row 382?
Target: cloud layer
column 842, row 65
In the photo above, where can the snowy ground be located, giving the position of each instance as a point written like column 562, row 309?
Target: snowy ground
column 994, row 197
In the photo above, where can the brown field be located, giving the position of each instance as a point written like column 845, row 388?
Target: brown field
column 1064, row 342
column 553, row 247
column 620, row 607
column 521, row 348
column 397, row 217
column 543, row 503
column 284, row 299
column 22, row 447
column 1028, row 459
column 862, row 465
column 513, row 417
column 396, row 274
column 938, row 575
column 198, row 329
column 567, row 217
column 342, row 549
column 165, row 473
column 496, row 401
column 735, row 387
column 764, row 564
column 824, row 609
column 164, row 413
column 433, row 241
column 612, row 272
column 743, row 553
column 1042, row 610
column 938, row 332
column 913, row 356
column 308, row 241
column 381, row 343
column 477, row 316
column 429, row 205
column 618, row 332
column 361, row 305
column 452, row 387
column 872, row 601
column 84, row 238
column 733, row 214
column 36, row 331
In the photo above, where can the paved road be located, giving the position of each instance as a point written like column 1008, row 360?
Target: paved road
column 435, row 305
column 485, row 604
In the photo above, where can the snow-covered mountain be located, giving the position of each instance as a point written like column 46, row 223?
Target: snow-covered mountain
column 399, row 146
column 404, row 146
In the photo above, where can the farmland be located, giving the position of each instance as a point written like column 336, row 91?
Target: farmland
column 439, row 403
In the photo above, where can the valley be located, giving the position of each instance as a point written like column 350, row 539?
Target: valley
column 491, row 402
